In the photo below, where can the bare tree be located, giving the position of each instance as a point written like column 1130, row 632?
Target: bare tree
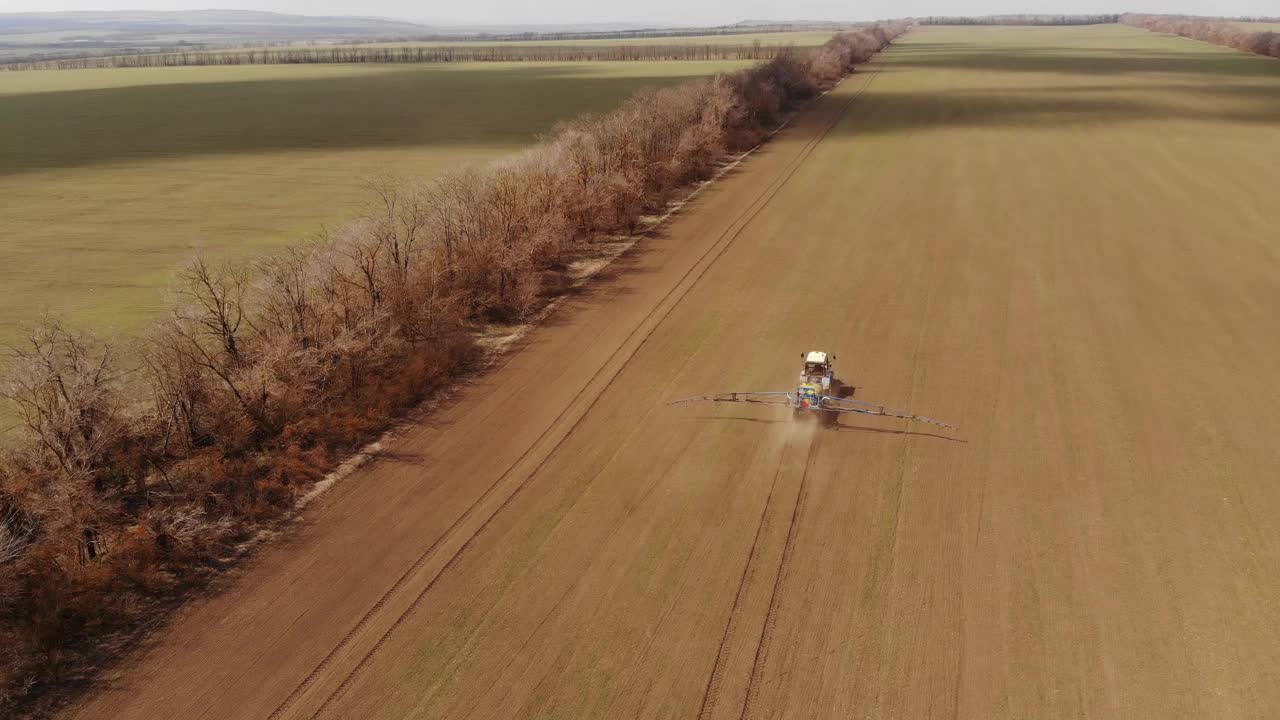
column 214, row 297
column 398, row 218
column 287, row 301
column 206, row 338
column 180, row 389
column 64, row 386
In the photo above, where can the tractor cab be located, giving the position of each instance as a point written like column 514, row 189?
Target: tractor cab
column 817, row 368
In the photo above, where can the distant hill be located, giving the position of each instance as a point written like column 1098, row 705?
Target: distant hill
column 198, row 21
column 51, row 35
column 70, row 33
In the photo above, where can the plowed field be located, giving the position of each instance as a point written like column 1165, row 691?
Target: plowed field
column 1063, row 240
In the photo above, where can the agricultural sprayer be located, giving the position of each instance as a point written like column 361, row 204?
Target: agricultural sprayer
column 818, row 393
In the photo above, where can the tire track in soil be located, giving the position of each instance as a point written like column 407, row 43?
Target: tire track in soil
column 626, row 515
column 649, row 324
column 780, row 579
column 711, row 695
column 573, row 586
column 417, row 565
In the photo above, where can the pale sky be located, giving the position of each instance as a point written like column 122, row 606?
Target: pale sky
column 691, row 12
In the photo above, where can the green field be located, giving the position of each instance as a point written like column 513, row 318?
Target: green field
column 799, row 39
column 112, row 178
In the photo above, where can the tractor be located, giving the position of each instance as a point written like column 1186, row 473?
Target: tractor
column 817, row 392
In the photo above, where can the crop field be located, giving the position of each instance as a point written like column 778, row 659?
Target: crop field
column 797, row 38
column 112, row 178
column 1063, row 240
column 745, row 46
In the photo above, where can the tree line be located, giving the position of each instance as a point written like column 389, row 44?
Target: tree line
column 1211, row 30
column 1020, row 20
column 616, row 34
column 413, row 54
column 138, row 467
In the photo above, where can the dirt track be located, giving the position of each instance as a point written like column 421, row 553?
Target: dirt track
column 1081, row 268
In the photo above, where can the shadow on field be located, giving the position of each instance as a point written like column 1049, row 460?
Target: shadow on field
column 839, row 427
column 327, row 108
column 398, row 457
column 1252, row 91
column 736, row 418
column 884, row 112
column 889, row 431
column 1219, row 62
column 324, row 109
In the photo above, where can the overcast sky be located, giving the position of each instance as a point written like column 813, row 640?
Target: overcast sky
column 699, row 12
